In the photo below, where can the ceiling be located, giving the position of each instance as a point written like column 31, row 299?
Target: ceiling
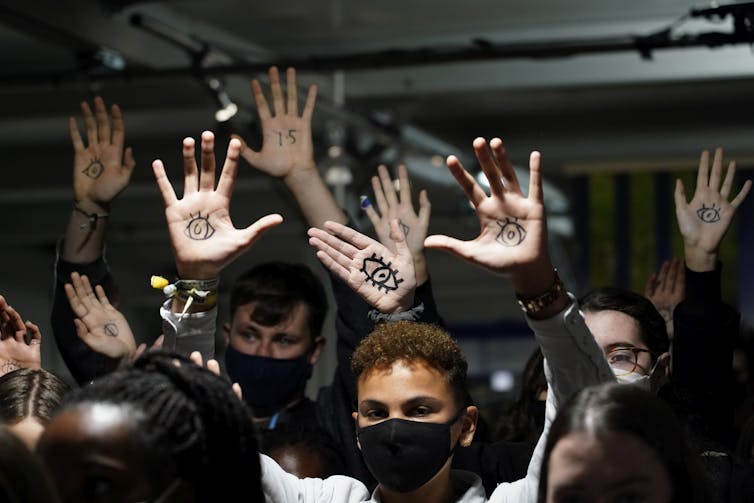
column 598, row 109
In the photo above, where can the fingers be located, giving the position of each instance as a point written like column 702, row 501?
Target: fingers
column 680, row 285
column 15, row 325
column 489, row 167
column 717, row 168
column 473, row 191
column 73, row 128
column 103, row 121
column 33, row 333
column 535, row 177
column 292, row 89
column 449, row 244
column 702, row 174
column 129, row 163
column 425, row 207
column 119, row 127
column 255, row 230
column 404, row 184
column 140, row 349
column 671, row 275
column 78, row 308
column 388, row 188
column 379, row 195
column 504, row 163
column 102, row 297
column 237, row 390
column 311, row 98
column 349, row 235
column 190, row 170
column 278, row 106
column 196, row 357
column 399, row 239
column 82, row 331
column 326, row 240
column 366, row 205
column 329, row 262
column 207, row 177
column 736, row 202
column 213, row 366
column 90, row 122
column 230, row 169
column 157, row 344
column 679, row 195
column 163, row 184
column 263, row 108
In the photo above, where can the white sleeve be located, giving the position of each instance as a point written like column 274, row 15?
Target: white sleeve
column 573, row 361
column 192, row 332
column 279, row 485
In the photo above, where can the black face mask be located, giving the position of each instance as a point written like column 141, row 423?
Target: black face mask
column 403, row 455
column 268, row 383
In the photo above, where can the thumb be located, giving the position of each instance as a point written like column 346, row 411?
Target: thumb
column 246, row 152
column 449, row 244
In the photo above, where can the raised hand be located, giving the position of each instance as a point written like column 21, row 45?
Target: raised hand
column 704, row 221
column 101, row 168
column 287, row 136
column 202, row 234
column 20, row 342
column 385, row 279
column 214, row 366
column 513, row 235
column 102, row 327
column 391, row 207
column 666, row 289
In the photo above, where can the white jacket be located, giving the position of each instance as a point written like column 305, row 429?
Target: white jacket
column 573, row 361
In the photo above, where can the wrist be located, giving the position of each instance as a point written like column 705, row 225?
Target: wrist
column 699, row 260
column 198, row 271
column 301, row 173
column 90, row 206
column 530, row 280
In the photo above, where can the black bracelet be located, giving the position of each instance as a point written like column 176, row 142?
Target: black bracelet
column 92, row 217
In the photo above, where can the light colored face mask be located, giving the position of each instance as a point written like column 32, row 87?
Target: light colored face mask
column 643, row 381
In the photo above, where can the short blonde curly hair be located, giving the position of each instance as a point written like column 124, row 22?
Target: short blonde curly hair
column 411, row 341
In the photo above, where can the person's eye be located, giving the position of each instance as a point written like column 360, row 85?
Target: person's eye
column 286, row 341
column 375, row 414
column 421, row 411
column 248, row 335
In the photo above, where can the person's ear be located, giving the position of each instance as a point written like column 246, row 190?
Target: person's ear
column 317, row 347
column 468, row 426
column 662, row 371
column 226, row 333
column 355, row 416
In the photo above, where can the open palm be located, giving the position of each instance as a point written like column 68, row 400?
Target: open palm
column 512, row 226
column 385, row 279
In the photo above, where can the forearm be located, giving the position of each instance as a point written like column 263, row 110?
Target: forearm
column 314, row 197
column 85, row 235
column 698, row 259
column 192, row 332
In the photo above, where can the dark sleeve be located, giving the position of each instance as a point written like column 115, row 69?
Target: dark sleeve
column 83, row 363
column 704, row 329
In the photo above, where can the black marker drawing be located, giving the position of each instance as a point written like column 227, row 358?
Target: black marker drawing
column 511, row 233
column 379, row 273
column 199, row 228
column 94, row 169
column 708, row 215
column 289, row 136
column 405, row 228
column 111, row 329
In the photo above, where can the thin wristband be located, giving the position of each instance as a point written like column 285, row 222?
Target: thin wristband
column 91, row 217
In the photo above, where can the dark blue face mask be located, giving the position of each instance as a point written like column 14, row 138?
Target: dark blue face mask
column 268, row 383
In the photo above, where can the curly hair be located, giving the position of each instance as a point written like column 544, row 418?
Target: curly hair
column 411, row 341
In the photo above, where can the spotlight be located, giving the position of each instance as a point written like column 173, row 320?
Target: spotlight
column 227, row 109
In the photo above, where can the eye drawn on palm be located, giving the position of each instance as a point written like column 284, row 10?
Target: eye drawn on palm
column 202, row 235
column 512, row 226
column 286, row 135
column 414, row 226
column 385, row 279
column 704, row 221
column 98, row 324
column 101, row 169
column 20, row 342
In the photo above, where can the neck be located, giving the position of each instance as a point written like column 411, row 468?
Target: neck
column 439, row 489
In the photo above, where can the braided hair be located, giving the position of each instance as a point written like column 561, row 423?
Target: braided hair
column 191, row 415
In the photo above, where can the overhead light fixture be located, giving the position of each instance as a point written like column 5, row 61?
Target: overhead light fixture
column 227, row 109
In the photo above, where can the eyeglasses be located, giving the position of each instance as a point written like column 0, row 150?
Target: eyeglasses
column 625, row 359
